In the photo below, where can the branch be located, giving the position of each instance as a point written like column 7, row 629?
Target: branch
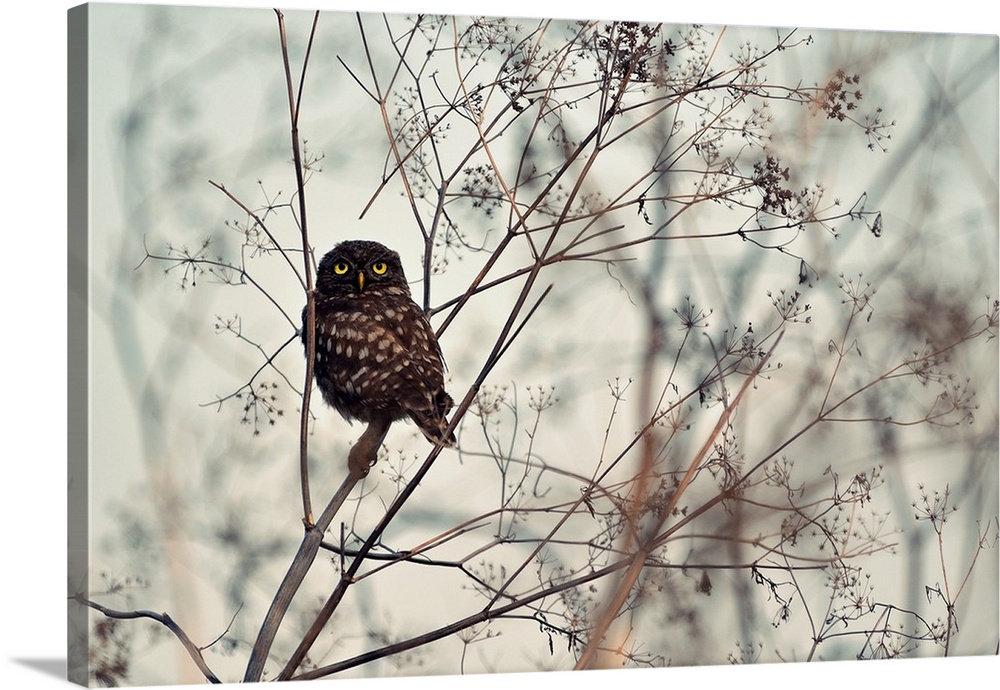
column 260, row 222
column 459, row 625
column 193, row 650
column 293, row 580
column 314, row 532
column 294, row 104
column 638, row 560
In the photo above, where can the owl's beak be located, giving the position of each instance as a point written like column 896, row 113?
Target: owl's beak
column 361, row 281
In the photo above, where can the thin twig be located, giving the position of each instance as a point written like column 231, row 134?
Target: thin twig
column 314, row 531
column 192, row 649
column 294, row 104
column 260, row 222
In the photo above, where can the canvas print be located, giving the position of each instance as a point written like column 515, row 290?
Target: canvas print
column 417, row 345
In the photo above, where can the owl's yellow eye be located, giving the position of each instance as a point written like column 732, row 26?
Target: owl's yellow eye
column 341, row 267
column 379, row 268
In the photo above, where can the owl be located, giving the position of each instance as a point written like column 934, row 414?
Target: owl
column 377, row 358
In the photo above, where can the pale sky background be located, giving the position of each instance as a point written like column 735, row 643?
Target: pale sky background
column 37, row 634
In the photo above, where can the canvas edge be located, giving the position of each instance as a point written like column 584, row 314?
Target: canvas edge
column 78, row 331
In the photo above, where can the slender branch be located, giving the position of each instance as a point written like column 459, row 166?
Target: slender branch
column 239, row 270
column 268, row 362
column 300, row 565
column 461, row 624
column 314, row 531
column 260, row 223
column 192, row 649
column 387, row 125
column 294, row 104
column 637, row 562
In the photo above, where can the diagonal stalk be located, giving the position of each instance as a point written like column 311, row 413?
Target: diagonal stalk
column 293, row 579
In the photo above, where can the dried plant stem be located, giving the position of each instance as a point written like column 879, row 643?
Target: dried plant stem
column 193, row 650
column 346, row 578
column 260, row 223
column 294, row 105
column 314, row 530
column 462, row 624
column 645, row 547
column 293, row 580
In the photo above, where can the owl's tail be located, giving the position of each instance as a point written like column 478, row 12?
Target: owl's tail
column 434, row 422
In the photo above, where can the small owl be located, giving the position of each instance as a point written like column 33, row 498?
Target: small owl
column 377, row 358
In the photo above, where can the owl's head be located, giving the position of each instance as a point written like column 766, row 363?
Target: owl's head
column 357, row 267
